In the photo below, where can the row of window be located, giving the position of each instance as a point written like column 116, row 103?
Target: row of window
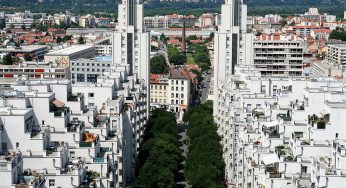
column 177, row 95
column 157, row 87
column 92, row 64
column 177, row 82
column 92, row 70
column 177, row 88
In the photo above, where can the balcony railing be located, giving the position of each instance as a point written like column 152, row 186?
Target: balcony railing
column 99, row 160
column 85, row 144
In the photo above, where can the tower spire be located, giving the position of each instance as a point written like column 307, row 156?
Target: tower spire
column 183, row 41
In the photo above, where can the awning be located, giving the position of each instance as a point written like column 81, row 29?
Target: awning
column 270, row 124
column 324, row 112
column 268, row 159
column 58, row 103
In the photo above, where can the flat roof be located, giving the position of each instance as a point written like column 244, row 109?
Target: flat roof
column 70, row 50
column 23, row 49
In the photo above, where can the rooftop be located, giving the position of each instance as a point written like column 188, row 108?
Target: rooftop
column 24, row 49
column 70, row 50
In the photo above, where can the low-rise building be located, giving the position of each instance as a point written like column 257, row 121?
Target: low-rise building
column 88, row 70
column 173, row 90
column 35, row 51
column 336, row 54
column 63, row 56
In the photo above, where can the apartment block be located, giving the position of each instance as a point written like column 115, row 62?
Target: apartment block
column 172, row 90
column 336, row 54
column 276, row 56
column 282, row 132
column 58, row 134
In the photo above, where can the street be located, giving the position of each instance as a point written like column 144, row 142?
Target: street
column 205, row 89
column 182, row 127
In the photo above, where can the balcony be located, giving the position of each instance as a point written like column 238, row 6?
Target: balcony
column 75, row 126
column 10, row 161
column 85, row 144
column 75, row 97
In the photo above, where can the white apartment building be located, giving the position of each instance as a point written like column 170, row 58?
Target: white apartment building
column 131, row 42
column 157, row 22
column 282, row 132
column 277, row 56
column 227, row 42
column 336, row 54
column 326, row 69
column 88, row 70
column 72, row 131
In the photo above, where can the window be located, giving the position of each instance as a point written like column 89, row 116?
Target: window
column 51, row 183
column 182, row 95
column 176, row 89
column 176, row 95
column 91, row 95
column 172, row 95
column 172, row 82
column 182, row 102
column 172, row 88
column 176, row 102
column 182, row 82
column 176, row 82
column 182, row 88
column 72, row 154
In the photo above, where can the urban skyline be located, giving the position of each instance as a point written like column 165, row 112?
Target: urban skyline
column 174, row 100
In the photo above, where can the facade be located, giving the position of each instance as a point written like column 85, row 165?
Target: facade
column 35, row 51
column 172, row 90
column 88, row 70
column 157, row 22
column 131, row 42
column 63, row 56
column 206, row 20
column 66, row 132
column 279, row 57
column 226, row 57
column 283, row 132
column 336, row 54
column 35, row 70
column 325, row 69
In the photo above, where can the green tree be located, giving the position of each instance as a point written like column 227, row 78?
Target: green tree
column 7, row 60
column 163, row 39
column 204, row 165
column 81, row 40
column 59, row 40
column 154, row 48
column 158, row 65
column 159, row 155
column 27, row 57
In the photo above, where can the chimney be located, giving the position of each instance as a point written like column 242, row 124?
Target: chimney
column 183, row 41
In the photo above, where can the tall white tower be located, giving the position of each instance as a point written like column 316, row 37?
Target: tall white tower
column 227, row 54
column 131, row 47
column 227, row 40
column 131, row 43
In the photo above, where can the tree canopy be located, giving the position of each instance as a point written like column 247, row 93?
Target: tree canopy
column 7, row 60
column 338, row 34
column 204, row 165
column 158, row 65
column 159, row 155
column 175, row 57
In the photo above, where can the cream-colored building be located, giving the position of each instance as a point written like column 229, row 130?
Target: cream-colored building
column 171, row 90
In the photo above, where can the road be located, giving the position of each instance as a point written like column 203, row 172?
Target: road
column 206, row 86
column 184, row 148
column 163, row 51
